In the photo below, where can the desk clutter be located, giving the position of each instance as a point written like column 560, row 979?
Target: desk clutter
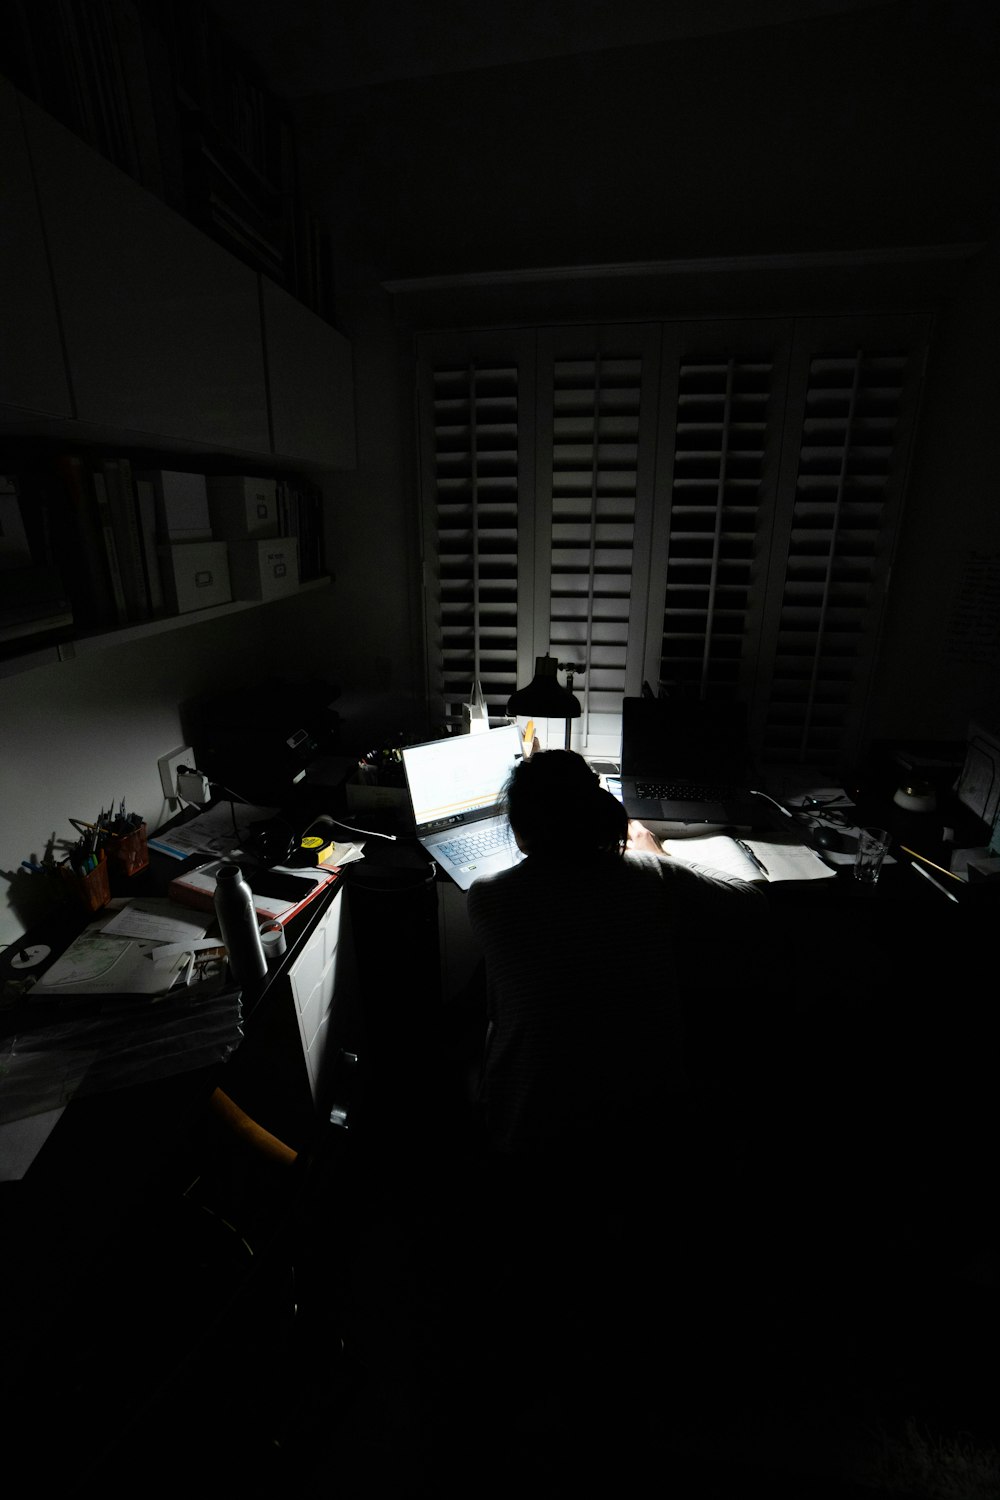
column 114, row 844
column 140, row 993
column 152, row 985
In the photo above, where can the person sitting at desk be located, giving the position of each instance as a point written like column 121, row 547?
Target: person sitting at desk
column 582, row 1091
column 580, row 943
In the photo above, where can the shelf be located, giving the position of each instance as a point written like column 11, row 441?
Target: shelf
column 60, row 651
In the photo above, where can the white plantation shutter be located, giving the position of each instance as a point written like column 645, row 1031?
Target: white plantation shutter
column 722, row 406
column 854, row 390
column 475, row 451
column 596, row 451
column 709, row 507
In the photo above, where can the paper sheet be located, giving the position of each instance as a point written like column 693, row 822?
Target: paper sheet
column 156, row 920
column 220, row 831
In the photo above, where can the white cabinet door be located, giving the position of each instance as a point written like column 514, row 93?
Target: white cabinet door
column 32, row 365
column 162, row 326
column 311, row 380
column 313, row 980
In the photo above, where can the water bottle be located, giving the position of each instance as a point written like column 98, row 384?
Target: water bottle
column 238, row 924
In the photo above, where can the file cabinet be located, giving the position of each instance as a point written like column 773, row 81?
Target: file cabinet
column 315, row 977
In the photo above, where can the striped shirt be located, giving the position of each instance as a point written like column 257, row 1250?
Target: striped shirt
column 582, row 987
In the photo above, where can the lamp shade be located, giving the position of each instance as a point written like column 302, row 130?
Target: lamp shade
column 544, row 697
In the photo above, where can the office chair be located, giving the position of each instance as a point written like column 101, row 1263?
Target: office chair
column 219, row 1312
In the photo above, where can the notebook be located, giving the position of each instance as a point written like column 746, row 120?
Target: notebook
column 455, row 785
column 687, row 762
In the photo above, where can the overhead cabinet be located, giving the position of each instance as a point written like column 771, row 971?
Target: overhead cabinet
column 32, row 368
column 120, row 314
column 162, row 326
column 310, row 377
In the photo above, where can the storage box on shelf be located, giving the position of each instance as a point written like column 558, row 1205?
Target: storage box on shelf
column 183, row 374
column 264, row 569
column 196, row 575
column 242, row 507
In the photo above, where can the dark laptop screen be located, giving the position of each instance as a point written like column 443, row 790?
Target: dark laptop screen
column 684, row 739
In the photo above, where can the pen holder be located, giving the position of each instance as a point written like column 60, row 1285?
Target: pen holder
column 92, row 889
column 130, row 854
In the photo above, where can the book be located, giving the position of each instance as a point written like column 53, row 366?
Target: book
column 182, row 513
column 145, row 501
column 125, row 521
column 15, row 549
column 80, row 546
column 33, row 601
column 279, row 892
column 776, row 858
column 107, row 526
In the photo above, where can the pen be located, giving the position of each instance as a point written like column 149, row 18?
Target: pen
column 923, row 857
column 928, row 876
column 752, row 856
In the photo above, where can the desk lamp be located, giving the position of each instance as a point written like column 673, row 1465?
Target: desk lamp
column 544, row 698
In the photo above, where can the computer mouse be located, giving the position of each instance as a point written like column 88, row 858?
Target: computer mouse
column 828, row 838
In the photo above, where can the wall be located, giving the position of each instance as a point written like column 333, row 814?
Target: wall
column 371, row 530
column 925, row 686
column 78, row 735
column 874, row 129
column 877, row 128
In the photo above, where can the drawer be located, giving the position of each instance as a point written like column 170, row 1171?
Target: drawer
column 313, row 1008
column 312, row 967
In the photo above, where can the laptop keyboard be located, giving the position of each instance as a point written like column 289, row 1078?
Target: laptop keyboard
column 476, row 844
column 683, row 791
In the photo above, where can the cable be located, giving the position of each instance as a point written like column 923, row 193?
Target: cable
column 369, row 832
column 776, row 804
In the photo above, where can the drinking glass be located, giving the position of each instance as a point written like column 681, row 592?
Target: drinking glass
column 873, row 845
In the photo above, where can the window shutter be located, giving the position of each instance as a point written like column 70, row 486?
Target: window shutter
column 722, row 404
column 475, row 452
column 708, row 507
column 853, row 398
column 596, row 453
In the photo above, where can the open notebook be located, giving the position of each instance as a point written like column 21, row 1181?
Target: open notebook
column 777, row 857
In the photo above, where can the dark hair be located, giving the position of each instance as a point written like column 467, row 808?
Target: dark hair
column 556, row 802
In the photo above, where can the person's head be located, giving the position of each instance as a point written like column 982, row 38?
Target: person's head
column 555, row 803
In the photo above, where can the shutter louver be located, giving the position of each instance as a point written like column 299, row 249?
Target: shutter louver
column 594, row 484
column 707, row 505
column 718, row 505
column 475, row 441
column 842, row 525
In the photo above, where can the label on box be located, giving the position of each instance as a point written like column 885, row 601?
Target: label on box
column 264, row 570
column 242, row 507
column 196, row 575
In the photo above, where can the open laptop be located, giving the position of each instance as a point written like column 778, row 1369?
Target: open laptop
column 687, row 762
column 455, row 785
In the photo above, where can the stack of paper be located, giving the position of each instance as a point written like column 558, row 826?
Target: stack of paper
column 140, row 950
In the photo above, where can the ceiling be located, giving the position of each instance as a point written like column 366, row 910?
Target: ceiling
column 304, row 49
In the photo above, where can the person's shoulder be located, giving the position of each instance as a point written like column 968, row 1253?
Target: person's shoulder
column 643, row 860
column 487, row 888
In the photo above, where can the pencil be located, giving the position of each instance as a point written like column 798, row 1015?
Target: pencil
column 923, row 858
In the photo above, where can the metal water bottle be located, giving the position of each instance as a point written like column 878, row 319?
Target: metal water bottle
column 238, row 924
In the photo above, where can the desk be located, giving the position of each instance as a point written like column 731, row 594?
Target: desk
column 277, row 1067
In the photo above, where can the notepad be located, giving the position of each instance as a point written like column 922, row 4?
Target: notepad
column 773, row 859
